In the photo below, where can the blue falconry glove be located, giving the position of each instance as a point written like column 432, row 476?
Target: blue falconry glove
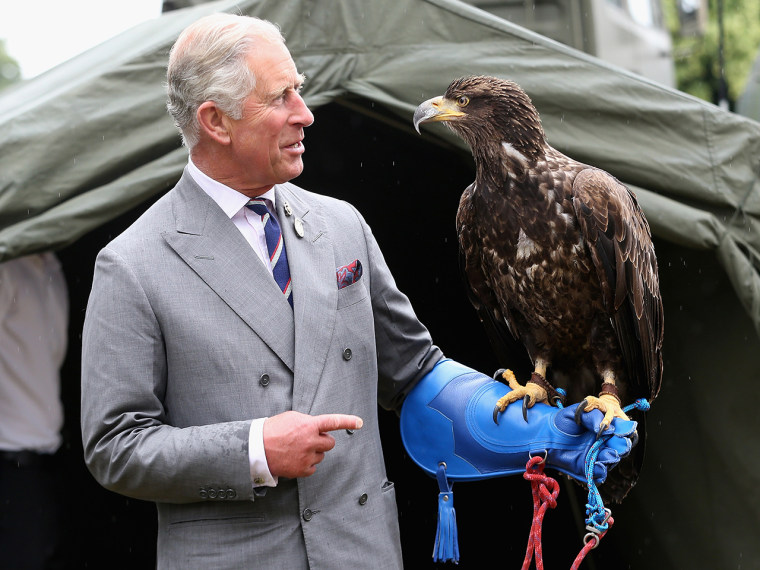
column 448, row 419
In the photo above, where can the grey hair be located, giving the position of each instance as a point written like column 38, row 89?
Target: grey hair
column 208, row 63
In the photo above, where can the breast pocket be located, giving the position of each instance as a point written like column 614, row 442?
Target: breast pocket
column 354, row 293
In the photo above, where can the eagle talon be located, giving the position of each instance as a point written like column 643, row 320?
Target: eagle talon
column 606, row 403
column 529, row 394
column 496, row 411
column 604, row 425
column 580, row 410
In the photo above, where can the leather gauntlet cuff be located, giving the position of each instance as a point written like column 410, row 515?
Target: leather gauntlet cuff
column 611, row 389
column 551, row 392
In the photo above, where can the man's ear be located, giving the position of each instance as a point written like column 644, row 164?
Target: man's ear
column 213, row 122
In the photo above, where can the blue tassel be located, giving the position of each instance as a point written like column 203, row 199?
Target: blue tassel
column 446, row 538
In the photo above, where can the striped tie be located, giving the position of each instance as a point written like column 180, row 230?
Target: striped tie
column 278, row 259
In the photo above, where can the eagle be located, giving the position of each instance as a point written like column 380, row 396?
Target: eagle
column 558, row 258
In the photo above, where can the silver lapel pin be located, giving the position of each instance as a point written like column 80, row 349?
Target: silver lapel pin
column 298, row 225
column 288, row 210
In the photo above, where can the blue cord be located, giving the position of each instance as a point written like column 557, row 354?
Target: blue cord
column 640, row 404
column 596, row 513
column 562, row 393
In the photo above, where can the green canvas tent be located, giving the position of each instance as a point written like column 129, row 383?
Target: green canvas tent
column 108, row 143
column 87, row 145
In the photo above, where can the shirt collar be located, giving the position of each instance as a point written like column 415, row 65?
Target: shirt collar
column 229, row 200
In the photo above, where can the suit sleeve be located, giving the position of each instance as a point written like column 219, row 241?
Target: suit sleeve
column 128, row 446
column 405, row 350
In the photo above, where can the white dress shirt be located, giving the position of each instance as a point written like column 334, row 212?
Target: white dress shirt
column 34, row 313
column 249, row 223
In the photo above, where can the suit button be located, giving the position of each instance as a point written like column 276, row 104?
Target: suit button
column 264, row 380
column 350, row 432
column 363, row 499
column 231, row 493
column 203, row 494
column 307, row 514
column 347, row 354
column 222, row 494
column 212, row 493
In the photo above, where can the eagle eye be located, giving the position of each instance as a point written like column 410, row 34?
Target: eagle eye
column 463, row 101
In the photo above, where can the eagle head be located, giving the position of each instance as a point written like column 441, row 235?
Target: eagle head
column 486, row 111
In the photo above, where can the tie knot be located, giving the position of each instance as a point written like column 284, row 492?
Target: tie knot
column 258, row 205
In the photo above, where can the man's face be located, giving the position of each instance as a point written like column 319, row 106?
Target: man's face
column 268, row 140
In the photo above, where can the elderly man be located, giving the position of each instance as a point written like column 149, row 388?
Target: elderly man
column 240, row 320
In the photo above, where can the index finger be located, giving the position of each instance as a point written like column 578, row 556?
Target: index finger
column 333, row 422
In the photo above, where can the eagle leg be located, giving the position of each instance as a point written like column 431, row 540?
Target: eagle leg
column 608, row 402
column 531, row 393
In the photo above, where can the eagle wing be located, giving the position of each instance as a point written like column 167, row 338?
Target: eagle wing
column 620, row 244
column 498, row 324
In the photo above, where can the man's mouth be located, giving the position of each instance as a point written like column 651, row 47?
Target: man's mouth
column 296, row 145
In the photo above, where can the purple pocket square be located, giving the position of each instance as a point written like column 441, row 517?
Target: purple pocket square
column 349, row 274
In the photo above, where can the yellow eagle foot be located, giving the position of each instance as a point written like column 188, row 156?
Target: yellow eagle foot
column 530, row 394
column 607, row 403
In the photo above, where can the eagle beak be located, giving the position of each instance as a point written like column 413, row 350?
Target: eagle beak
column 435, row 109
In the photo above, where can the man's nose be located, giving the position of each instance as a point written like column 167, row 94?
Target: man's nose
column 301, row 113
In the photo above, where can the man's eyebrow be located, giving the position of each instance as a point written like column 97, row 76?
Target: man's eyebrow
column 297, row 85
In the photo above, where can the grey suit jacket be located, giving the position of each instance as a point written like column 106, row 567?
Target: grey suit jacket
column 187, row 338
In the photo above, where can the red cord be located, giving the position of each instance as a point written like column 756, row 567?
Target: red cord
column 545, row 491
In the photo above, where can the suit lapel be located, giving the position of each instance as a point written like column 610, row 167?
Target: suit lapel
column 214, row 248
column 315, row 292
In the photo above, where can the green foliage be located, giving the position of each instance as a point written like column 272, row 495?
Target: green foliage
column 697, row 57
column 10, row 72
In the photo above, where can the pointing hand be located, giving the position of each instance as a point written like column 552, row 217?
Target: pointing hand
column 295, row 443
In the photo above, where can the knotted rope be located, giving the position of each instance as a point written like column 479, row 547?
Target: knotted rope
column 545, row 492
